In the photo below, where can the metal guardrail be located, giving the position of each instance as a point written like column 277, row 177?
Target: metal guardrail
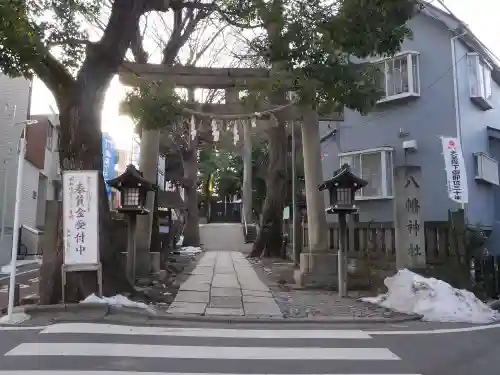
column 245, row 225
column 29, row 242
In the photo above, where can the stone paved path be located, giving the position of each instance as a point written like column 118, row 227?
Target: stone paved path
column 222, row 237
column 224, row 283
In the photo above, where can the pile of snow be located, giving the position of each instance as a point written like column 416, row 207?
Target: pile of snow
column 118, row 300
column 181, row 240
column 190, row 250
column 435, row 300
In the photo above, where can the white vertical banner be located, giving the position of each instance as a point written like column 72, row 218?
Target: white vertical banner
column 81, row 217
column 456, row 176
column 161, row 172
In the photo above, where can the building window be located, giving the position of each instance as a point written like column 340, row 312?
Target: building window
column 50, row 137
column 374, row 166
column 479, row 80
column 10, row 111
column 399, row 76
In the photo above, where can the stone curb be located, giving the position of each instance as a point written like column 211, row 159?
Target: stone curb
column 67, row 307
column 119, row 313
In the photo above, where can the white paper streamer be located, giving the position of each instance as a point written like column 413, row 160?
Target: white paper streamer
column 236, row 135
column 215, row 130
column 193, row 128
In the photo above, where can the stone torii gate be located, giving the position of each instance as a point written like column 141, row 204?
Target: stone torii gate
column 234, row 80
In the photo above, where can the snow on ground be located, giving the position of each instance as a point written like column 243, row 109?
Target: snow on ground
column 190, row 250
column 118, row 300
column 435, row 300
column 19, row 263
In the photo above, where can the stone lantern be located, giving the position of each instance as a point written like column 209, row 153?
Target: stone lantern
column 342, row 189
column 133, row 188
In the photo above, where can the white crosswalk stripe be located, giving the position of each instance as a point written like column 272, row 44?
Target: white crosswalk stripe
column 110, row 329
column 65, row 372
column 106, row 349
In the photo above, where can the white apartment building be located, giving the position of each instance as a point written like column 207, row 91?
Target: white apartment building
column 41, row 165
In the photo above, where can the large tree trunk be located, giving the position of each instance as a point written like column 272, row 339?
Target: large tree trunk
column 80, row 103
column 190, row 165
column 80, row 149
column 268, row 241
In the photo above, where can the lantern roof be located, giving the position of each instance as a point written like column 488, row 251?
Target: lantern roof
column 343, row 177
column 132, row 177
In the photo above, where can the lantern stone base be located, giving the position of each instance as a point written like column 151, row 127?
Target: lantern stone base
column 317, row 270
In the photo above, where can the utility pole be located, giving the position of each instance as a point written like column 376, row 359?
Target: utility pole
column 295, row 218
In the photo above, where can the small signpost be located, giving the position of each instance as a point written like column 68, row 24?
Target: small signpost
column 81, row 224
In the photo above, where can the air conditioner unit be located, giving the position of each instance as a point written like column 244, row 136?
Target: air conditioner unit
column 486, row 168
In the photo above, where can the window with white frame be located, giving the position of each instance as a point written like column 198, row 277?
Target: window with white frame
column 399, row 76
column 375, row 167
column 479, row 80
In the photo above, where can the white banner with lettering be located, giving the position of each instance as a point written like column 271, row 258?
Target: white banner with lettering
column 456, row 176
column 161, row 172
column 81, row 217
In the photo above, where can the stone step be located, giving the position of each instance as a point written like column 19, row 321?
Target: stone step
column 251, row 234
column 32, row 299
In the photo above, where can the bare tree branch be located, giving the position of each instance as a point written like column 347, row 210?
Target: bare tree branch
column 137, row 48
column 182, row 31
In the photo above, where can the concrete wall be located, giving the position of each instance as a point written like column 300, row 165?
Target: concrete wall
column 29, row 200
column 424, row 119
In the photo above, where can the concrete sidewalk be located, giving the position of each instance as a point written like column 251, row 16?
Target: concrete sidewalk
column 225, row 284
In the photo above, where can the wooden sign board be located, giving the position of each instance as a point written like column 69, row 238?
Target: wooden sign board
column 81, row 224
column 81, row 217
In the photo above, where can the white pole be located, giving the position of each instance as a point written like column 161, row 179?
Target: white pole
column 4, row 198
column 17, row 209
column 294, row 197
column 458, row 121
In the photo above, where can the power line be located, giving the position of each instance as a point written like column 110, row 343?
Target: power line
column 441, row 2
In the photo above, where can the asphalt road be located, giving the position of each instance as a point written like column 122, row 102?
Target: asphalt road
column 277, row 349
column 27, row 278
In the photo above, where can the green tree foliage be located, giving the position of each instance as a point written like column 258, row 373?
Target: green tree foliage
column 47, row 38
column 153, row 106
column 316, row 49
column 225, row 169
column 27, row 27
column 320, row 45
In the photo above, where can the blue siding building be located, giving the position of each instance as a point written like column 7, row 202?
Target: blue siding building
column 444, row 82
